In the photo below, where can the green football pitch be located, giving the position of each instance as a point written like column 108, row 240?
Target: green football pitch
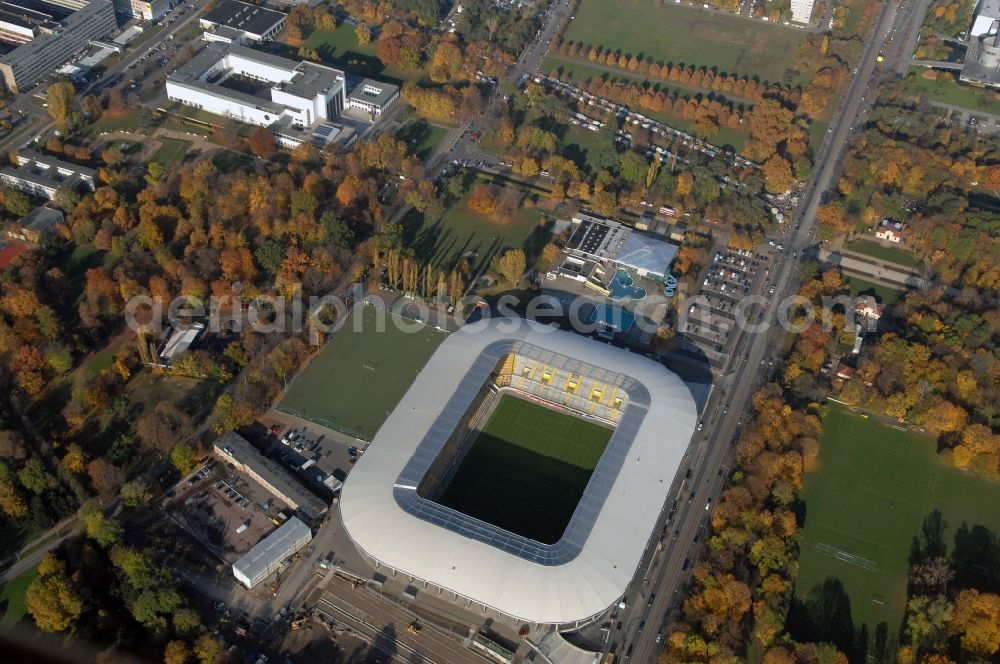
column 363, row 371
column 868, row 497
column 527, row 469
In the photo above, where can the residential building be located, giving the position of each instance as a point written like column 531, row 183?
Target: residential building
column 890, row 231
column 221, row 79
column 235, row 449
column 71, row 28
column 802, row 10
column 235, row 22
column 268, row 555
column 867, row 306
column 147, row 10
column 36, row 225
column 41, row 175
column 372, row 97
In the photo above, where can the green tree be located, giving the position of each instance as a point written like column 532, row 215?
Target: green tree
column 363, row 33
column 633, row 168
column 176, row 652
column 66, row 199
column 59, row 357
column 186, row 621
column 337, row 232
column 33, row 476
column 206, row 648
column 512, row 265
column 103, row 530
column 184, row 456
column 777, row 175
column 54, row 602
column 60, row 98
column 927, row 620
column 16, row 202
column 135, row 493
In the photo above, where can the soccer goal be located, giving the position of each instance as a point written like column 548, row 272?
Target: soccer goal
column 840, row 554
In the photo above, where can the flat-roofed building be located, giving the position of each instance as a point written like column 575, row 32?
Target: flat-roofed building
column 56, row 42
column 235, row 449
column 372, row 96
column 41, row 175
column 303, row 94
column 235, row 22
column 267, row 556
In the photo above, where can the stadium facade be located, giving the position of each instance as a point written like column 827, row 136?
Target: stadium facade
column 393, row 522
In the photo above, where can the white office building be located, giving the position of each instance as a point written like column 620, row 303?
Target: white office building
column 288, row 95
column 267, row 556
column 802, row 10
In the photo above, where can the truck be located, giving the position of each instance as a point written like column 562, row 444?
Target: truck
column 308, row 463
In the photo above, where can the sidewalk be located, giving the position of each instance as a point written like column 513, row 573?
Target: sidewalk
column 31, row 553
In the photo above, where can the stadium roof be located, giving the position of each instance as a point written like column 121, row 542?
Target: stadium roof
column 591, row 567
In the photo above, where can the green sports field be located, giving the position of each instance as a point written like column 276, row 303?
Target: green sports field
column 873, row 486
column 361, row 374
column 685, row 35
column 527, row 469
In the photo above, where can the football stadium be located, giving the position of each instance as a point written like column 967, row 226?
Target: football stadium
column 523, row 472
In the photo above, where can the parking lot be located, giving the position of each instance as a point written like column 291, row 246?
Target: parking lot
column 711, row 320
column 314, row 454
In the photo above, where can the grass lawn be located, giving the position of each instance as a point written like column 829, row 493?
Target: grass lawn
column 885, row 294
column 340, row 47
column 460, row 232
column 889, row 254
column 421, row 137
column 12, row 604
column 125, row 120
column 946, row 90
column 868, row 496
column 361, row 374
column 527, row 469
column 695, row 37
column 172, row 150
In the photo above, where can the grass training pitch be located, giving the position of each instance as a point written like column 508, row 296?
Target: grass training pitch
column 527, row 469
column 873, row 486
column 363, row 371
column 733, row 45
